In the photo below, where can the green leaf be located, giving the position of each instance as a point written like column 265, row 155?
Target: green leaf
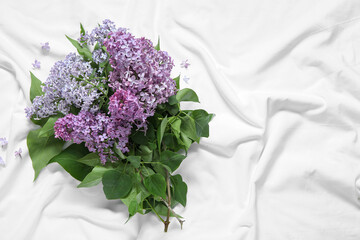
column 68, row 160
column 180, row 189
column 94, row 177
column 185, row 140
column 156, row 185
column 157, row 47
column 48, row 129
column 146, row 171
column 171, row 159
column 173, row 109
column 177, row 81
column 91, row 159
column 162, row 210
column 201, row 119
column 118, row 151
column 188, row 127
column 172, row 100
column 35, row 88
column 41, row 150
column 187, row 94
column 139, row 138
column 160, row 132
column 134, row 160
column 145, row 153
column 82, row 30
column 116, row 184
column 83, row 51
column 176, row 126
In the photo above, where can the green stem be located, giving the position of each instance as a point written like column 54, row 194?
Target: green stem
column 157, row 214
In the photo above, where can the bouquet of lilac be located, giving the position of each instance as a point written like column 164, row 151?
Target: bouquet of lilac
column 111, row 114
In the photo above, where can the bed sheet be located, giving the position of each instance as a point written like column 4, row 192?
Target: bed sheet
column 283, row 158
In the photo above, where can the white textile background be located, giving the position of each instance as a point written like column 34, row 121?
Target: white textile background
column 283, row 158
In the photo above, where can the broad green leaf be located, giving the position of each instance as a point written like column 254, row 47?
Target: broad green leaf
column 40, row 122
column 134, row 160
column 35, row 88
column 94, row 177
column 41, row 150
column 185, row 140
column 180, row 189
column 133, row 207
column 91, row 159
column 171, row 159
column 116, row 184
column 68, row 160
column 48, row 129
column 160, row 132
column 173, row 109
column 170, row 141
column 146, row 171
column 201, row 119
column 186, row 94
column 83, row 51
column 156, row 185
column 157, row 47
column 172, row 100
column 188, row 127
column 176, row 126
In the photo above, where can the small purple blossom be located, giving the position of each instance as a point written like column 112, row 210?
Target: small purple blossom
column 45, row 47
column 3, row 142
column 185, row 64
column 36, row 64
column 186, row 79
column 2, row 162
column 18, row 153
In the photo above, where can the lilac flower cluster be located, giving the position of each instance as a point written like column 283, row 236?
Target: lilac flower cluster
column 89, row 128
column 98, row 34
column 140, row 69
column 99, row 131
column 62, row 89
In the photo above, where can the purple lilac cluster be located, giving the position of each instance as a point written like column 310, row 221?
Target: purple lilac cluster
column 62, row 89
column 98, row 34
column 89, row 128
column 99, row 131
column 140, row 69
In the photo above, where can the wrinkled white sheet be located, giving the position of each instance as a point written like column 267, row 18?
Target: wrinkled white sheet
column 283, row 159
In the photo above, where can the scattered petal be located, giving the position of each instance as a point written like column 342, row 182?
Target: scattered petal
column 185, row 64
column 36, row 64
column 18, row 153
column 2, row 162
column 3, row 142
column 45, row 47
column 186, row 79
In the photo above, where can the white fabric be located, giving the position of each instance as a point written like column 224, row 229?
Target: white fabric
column 283, row 159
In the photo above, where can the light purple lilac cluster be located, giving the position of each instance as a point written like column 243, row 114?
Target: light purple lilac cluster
column 89, row 128
column 140, row 81
column 140, row 69
column 98, row 34
column 62, row 89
